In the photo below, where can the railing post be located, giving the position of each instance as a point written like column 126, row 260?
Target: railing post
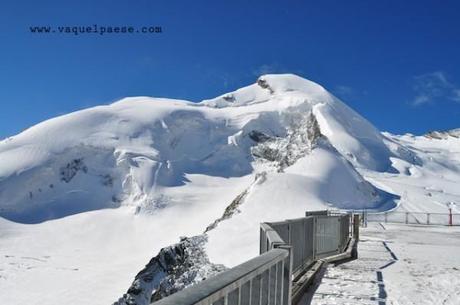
column 339, row 235
column 450, row 216
column 407, row 217
column 356, row 226
column 354, row 250
column 386, row 217
column 350, row 227
column 314, row 237
column 287, row 277
column 428, row 218
column 262, row 240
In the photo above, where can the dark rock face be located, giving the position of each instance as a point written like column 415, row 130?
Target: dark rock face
column 258, row 136
column 71, row 169
column 313, row 130
column 233, row 207
column 229, row 98
column 264, row 84
column 266, row 152
column 439, row 135
column 285, row 151
column 106, row 180
column 174, row 268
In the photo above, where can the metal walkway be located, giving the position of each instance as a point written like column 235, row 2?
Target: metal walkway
column 279, row 275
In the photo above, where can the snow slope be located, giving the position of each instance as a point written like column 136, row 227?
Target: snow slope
column 125, row 153
column 428, row 173
column 86, row 199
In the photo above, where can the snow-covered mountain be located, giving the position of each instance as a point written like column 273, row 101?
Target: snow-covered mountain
column 88, row 198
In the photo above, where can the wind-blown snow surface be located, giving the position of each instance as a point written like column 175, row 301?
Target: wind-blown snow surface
column 88, row 198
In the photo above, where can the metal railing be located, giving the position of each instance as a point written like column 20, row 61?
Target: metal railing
column 258, row 278
column 293, row 233
column 420, row 218
column 311, row 237
column 286, row 249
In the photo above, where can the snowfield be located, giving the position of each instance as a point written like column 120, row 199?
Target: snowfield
column 88, row 198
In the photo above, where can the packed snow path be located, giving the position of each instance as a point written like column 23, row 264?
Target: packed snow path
column 398, row 264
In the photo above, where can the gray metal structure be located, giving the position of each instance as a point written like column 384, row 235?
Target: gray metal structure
column 420, row 218
column 287, row 248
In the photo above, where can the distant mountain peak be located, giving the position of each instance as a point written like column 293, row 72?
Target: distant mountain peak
column 455, row 133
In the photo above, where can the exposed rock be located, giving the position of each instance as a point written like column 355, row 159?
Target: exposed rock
column 173, row 269
column 229, row 98
column 436, row 135
column 232, row 208
column 107, row 180
column 71, row 169
column 439, row 135
column 258, row 136
column 285, row 151
column 267, row 152
column 264, row 84
column 313, row 129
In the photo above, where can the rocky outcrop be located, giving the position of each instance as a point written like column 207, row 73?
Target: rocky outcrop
column 301, row 138
column 232, row 208
column 173, row 269
column 264, row 84
column 443, row 134
column 69, row 171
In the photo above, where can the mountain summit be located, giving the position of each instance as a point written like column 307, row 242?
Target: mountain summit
column 92, row 195
column 132, row 152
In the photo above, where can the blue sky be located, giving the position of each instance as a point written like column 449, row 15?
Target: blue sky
column 396, row 63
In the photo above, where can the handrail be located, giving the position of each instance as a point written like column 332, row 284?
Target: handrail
column 412, row 217
column 287, row 248
column 217, row 287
